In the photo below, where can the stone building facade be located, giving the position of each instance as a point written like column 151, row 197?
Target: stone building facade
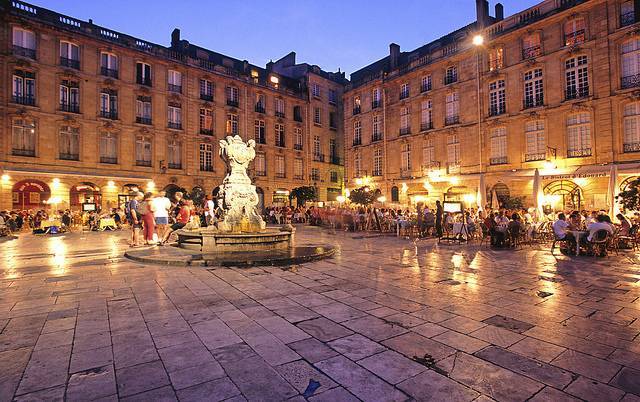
column 554, row 87
column 88, row 114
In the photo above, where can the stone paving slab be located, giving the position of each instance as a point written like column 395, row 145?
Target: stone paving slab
column 383, row 320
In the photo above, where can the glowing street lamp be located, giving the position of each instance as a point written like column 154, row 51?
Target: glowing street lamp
column 478, row 40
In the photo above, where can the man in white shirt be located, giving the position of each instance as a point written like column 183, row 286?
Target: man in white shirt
column 209, row 210
column 599, row 224
column 561, row 231
column 160, row 206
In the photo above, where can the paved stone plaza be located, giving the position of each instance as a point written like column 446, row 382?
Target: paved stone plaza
column 384, row 320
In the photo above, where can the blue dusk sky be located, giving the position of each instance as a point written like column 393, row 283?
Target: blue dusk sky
column 333, row 34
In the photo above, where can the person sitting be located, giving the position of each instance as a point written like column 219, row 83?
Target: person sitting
column 561, row 232
column 429, row 221
column 600, row 224
column 184, row 215
column 514, row 227
column 625, row 225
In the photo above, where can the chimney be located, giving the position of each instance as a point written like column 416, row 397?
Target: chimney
column 394, row 55
column 499, row 12
column 175, row 37
column 482, row 13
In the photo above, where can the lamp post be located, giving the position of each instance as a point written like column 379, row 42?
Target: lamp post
column 478, row 41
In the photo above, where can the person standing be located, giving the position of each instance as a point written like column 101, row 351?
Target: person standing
column 160, row 206
column 439, row 215
column 135, row 220
column 144, row 209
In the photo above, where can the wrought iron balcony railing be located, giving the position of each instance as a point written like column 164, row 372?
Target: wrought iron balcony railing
column 28, row 100
column 174, row 88
column 23, row 152
column 232, row 102
column 535, row 157
column 176, row 125
column 206, row 97
column 69, row 157
column 630, row 81
column 574, row 38
column 375, row 104
column 576, row 93
column 631, row 147
column 627, row 18
column 279, row 114
column 111, row 160
column 24, row 51
column 259, row 109
column 143, row 120
column 532, row 101
column 318, row 157
column 497, row 110
column 426, row 126
column 174, row 165
column 357, row 141
column 109, row 114
column 70, row 107
column 377, row 137
column 531, row 52
column 501, row 160
column 109, row 72
column 297, row 147
column 404, row 131
column 579, row 153
column 450, row 120
column 143, row 163
column 71, row 63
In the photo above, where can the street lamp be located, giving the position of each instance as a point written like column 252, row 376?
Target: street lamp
column 478, row 41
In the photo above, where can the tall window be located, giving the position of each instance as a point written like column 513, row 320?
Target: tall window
column 174, row 115
column 357, row 132
column 425, row 83
column 404, row 121
column 24, row 42
column 377, row 162
column 174, row 83
column 627, row 13
column 531, row 46
column 406, row 158
column 143, row 73
column 109, row 148
column 297, row 113
column 232, row 124
column 357, row 165
column 23, row 138
column 376, row 98
column 298, row 172
column 577, row 77
column 377, row 128
column 333, row 121
column 174, row 154
column 69, row 55
column 533, row 88
column 69, row 143
column 70, row 96
column 315, row 90
column 453, row 153
column 259, row 132
column 143, row 110
column 631, row 63
column 497, row 98
column 143, row 150
column 579, row 135
column 280, row 140
column 452, row 109
column 315, row 174
column 631, row 137
column 451, row 75
column 428, row 154
column 498, row 146
column 260, row 103
column 317, row 116
column 536, row 142
column 426, row 115
column 233, row 96
column 24, row 88
column 206, row 121
column 280, row 166
column 260, row 164
column 333, row 154
column 297, row 131
column 496, row 59
column 404, row 91
column 109, row 65
column 574, row 32
column 109, row 103
column 317, row 149
column 206, row 157
column 206, row 90
column 332, row 96
column 279, row 107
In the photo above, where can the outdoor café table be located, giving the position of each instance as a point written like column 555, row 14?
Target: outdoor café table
column 458, row 230
column 107, row 223
column 578, row 234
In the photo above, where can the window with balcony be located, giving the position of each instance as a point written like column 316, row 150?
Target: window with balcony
column 357, row 133
column 357, row 165
column 317, row 149
column 143, row 110
column 70, row 96
column 453, row 153
column 333, row 98
column 533, row 88
column 174, row 116
column 574, row 32
column 579, row 135
column 143, row 74
column 206, row 90
column 404, row 91
column 405, row 160
column 109, row 64
column 376, row 98
column 279, row 107
column 377, row 132
column 206, row 121
column 260, row 164
column 232, row 124
column 531, row 46
column 627, row 13
column 535, row 140
column 259, row 133
column 24, row 88
column 452, row 109
column 298, row 171
column 174, row 154
column 429, row 161
column 24, row 43
column 425, row 83
column 280, row 167
column 405, row 128
column 496, row 59
column 498, row 153
column 109, row 103
column 297, row 114
column 631, row 63
column 174, row 81
column 497, row 98
column 143, row 150
column 23, row 138
column 357, row 106
column 69, row 55
column 109, row 148
column 299, row 140
column 315, row 90
column 280, row 139
column 261, row 103
column 69, row 148
column 631, row 126
column 206, row 157
column 317, row 116
column 576, row 78
column 377, row 162
column 233, row 96
column 426, row 115
column 333, row 121
column 451, row 75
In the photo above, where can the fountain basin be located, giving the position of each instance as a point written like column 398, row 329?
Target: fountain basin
column 211, row 241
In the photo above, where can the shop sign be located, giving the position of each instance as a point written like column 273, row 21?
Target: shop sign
column 30, row 184
column 575, row 176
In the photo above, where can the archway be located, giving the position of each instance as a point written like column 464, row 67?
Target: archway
column 502, row 192
column 395, row 194
column 85, row 193
column 625, row 183
column 563, row 195
column 125, row 194
column 30, row 194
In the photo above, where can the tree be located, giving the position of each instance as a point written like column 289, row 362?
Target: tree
column 630, row 197
column 303, row 194
column 362, row 196
column 513, row 203
column 197, row 195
